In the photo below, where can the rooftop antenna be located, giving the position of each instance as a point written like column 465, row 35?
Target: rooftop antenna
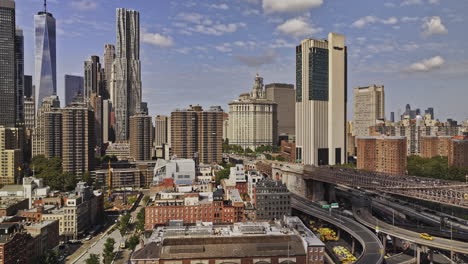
column 45, row 6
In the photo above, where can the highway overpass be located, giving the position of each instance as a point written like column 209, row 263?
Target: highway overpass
column 365, row 217
column 373, row 250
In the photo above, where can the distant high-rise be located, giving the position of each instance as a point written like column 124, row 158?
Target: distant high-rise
column 10, row 152
column 78, row 137
column 74, row 85
column 126, row 72
column 197, row 132
column 321, row 85
column 28, row 87
column 92, row 77
column 430, row 111
column 19, row 43
column 29, row 113
column 8, row 80
column 382, row 154
column 106, row 121
column 47, row 135
column 141, row 137
column 369, row 106
column 45, row 77
column 284, row 95
column 392, row 117
column 162, row 130
column 109, row 56
column 253, row 119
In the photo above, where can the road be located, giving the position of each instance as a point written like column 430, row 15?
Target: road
column 363, row 215
column 96, row 245
column 373, row 250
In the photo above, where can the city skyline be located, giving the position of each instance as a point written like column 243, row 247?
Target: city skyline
column 222, row 39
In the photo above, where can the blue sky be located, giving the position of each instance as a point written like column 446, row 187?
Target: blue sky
column 207, row 52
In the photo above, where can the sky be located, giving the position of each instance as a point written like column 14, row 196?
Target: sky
column 207, row 52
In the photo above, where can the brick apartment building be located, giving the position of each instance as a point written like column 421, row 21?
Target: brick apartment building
column 192, row 208
column 382, row 154
column 458, row 152
column 432, row 146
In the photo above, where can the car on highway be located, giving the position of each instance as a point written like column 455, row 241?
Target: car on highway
column 426, row 236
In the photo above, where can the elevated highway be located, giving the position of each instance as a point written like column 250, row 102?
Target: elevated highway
column 365, row 217
column 373, row 250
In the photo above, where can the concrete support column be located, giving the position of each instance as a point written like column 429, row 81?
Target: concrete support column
column 353, row 245
column 418, row 255
column 338, row 234
column 384, row 241
column 431, row 256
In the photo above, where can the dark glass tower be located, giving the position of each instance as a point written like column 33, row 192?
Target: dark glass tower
column 7, row 64
column 74, row 85
column 45, row 56
column 19, row 43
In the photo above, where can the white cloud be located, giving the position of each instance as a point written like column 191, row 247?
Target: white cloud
column 281, row 43
column 201, row 24
column 298, row 27
column 409, row 19
column 289, row 6
column 157, row 39
column 249, row 12
column 226, row 47
column 389, row 4
column 183, row 50
column 390, row 21
column 418, row 2
column 367, row 20
column 433, row 26
column 84, row 4
column 255, row 61
column 426, row 65
column 220, row 6
column 363, row 21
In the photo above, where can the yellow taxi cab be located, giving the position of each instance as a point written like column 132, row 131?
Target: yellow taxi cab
column 426, row 236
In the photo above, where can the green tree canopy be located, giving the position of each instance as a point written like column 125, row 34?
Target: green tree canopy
column 93, row 259
column 436, row 167
column 133, row 242
column 108, row 252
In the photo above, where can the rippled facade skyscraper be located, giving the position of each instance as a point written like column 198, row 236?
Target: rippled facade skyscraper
column 126, row 72
column 45, row 77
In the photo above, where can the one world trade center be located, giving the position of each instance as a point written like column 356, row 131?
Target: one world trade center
column 45, row 77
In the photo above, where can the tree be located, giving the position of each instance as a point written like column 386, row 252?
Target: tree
column 140, row 224
column 93, row 259
column 222, row 174
column 87, row 178
column 108, row 253
column 435, row 167
column 49, row 257
column 133, row 242
column 124, row 223
column 146, row 199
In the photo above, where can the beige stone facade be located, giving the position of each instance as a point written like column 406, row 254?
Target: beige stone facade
column 253, row 120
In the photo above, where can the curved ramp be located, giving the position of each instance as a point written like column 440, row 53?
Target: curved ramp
column 373, row 251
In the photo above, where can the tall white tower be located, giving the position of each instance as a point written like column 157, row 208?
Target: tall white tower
column 321, row 85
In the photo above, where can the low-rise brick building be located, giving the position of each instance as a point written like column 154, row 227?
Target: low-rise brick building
column 282, row 242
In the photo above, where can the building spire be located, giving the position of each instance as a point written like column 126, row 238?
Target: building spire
column 45, row 6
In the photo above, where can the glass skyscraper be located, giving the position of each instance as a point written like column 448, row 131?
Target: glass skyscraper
column 74, row 85
column 7, row 64
column 19, row 53
column 45, row 77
